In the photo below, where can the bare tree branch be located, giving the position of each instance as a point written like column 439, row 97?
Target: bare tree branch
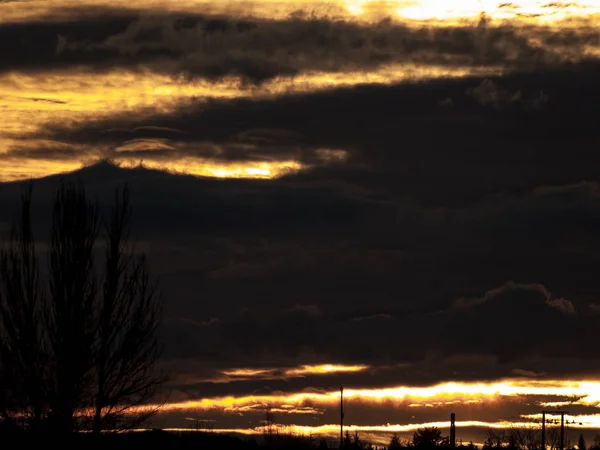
column 23, row 349
column 130, row 313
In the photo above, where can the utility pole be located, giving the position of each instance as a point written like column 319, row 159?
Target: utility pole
column 453, row 430
column 562, row 428
column 543, row 430
column 341, row 416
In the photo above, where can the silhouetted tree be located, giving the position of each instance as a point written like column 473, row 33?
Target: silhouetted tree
column 269, row 425
column 129, row 312
column 394, row 443
column 553, row 436
column 89, row 340
column 347, row 440
column 494, row 439
column 581, row 444
column 23, row 351
column 428, row 438
column 353, row 442
column 72, row 315
column 356, row 440
column 523, row 438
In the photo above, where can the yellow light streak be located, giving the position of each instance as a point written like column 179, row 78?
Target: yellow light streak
column 246, row 372
column 524, row 10
column 81, row 94
column 212, row 168
column 443, row 12
column 581, row 392
column 324, row 369
column 301, row 371
column 380, row 434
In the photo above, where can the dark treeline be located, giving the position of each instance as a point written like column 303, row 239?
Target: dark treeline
column 422, row 439
column 78, row 320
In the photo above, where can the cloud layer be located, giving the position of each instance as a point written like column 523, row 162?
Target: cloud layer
column 417, row 200
column 257, row 50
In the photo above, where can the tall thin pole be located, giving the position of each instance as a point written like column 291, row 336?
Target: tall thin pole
column 453, row 430
column 543, row 430
column 341, row 416
column 562, row 431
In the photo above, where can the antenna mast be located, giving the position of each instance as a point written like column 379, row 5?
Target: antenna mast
column 341, row 416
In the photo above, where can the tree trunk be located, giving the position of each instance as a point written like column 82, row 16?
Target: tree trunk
column 97, row 426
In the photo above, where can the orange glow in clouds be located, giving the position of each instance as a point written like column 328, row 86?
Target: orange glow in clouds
column 296, row 372
column 438, row 10
column 325, row 369
column 210, row 168
column 33, row 102
column 451, row 393
column 450, row 11
column 380, row 434
column 580, row 392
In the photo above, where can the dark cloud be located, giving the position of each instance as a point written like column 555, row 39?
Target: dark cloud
column 216, row 46
column 397, row 139
column 508, row 318
column 38, row 45
column 146, row 131
column 489, row 94
column 443, row 230
column 525, row 373
column 288, row 254
column 45, row 150
column 454, row 201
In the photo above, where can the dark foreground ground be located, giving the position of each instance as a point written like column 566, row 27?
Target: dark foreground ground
column 198, row 440
column 156, row 439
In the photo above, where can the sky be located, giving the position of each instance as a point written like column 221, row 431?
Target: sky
column 400, row 197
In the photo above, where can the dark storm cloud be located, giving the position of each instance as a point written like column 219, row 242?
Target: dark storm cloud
column 292, row 287
column 364, row 261
column 37, row 45
column 216, row 46
column 506, row 320
column 504, row 323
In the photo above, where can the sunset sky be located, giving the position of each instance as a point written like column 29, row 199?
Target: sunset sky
column 400, row 196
